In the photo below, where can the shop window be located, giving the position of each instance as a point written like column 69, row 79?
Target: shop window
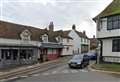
column 7, row 55
column 15, row 54
column 23, row 54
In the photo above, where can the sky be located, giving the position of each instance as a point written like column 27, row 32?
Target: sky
column 63, row 13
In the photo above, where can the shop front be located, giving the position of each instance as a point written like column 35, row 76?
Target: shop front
column 17, row 56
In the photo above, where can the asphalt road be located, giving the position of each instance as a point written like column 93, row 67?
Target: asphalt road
column 63, row 73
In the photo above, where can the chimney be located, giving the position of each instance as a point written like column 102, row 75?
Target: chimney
column 93, row 36
column 84, row 32
column 51, row 26
column 73, row 27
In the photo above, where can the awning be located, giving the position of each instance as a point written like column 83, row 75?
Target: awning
column 51, row 45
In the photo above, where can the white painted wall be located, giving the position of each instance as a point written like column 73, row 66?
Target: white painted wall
column 107, row 33
column 68, row 44
column 19, row 42
column 107, row 49
column 76, row 41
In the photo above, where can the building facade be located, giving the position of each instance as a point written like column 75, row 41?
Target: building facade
column 79, row 42
column 21, row 44
column 108, row 32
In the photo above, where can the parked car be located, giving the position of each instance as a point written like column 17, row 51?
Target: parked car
column 79, row 61
column 92, row 55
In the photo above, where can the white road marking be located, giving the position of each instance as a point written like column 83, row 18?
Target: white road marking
column 36, row 75
column 23, row 76
column 54, row 72
column 83, row 70
column 74, row 71
column 65, row 71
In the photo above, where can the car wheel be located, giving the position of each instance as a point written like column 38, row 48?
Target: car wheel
column 82, row 66
column 70, row 66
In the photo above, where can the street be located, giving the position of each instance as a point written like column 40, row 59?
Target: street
column 62, row 73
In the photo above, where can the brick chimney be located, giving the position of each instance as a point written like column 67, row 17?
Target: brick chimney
column 73, row 27
column 84, row 32
column 51, row 26
column 93, row 36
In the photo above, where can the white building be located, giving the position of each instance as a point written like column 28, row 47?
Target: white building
column 78, row 44
column 108, row 32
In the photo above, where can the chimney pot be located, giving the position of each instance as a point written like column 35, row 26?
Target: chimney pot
column 73, row 27
column 84, row 32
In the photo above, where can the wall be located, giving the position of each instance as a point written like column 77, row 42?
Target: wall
column 18, row 42
column 76, row 41
column 67, row 44
column 107, row 51
column 107, row 33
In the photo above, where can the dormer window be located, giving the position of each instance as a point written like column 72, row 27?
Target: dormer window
column 59, row 39
column 25, row 35
column 45, row 38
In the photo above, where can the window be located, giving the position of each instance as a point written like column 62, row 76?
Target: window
column 45, row 38
column 81, row 39
column 102, row 23
column 25, row 35
column 67, row 48
column 116, row 45
column 113, row 22
column 59, row 38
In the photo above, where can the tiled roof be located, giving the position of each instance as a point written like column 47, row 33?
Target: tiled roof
column 12, row 31
column 81, row 34
column 112, row 9
column 63, row 34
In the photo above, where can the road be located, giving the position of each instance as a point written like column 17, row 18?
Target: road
column 62, row 73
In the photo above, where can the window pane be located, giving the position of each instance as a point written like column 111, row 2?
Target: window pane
column 113, row 22
column 116, row 45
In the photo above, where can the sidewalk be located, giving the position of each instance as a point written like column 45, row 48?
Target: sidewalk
column 25, row 69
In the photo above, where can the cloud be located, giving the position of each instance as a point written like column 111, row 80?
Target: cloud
column 63, row 13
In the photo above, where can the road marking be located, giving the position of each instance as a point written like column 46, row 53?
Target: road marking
column 54, row 72
column 36, row 75
column 83, row 70
column 65, row 71
column 23, row 76
column 74, row 71
column 45, row 74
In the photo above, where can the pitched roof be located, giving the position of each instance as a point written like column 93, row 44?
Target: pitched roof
column 12, row 31
column 81, row 34
column 112, row 9
column 64, row 34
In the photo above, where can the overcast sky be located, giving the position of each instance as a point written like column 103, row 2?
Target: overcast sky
column 63, row 13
